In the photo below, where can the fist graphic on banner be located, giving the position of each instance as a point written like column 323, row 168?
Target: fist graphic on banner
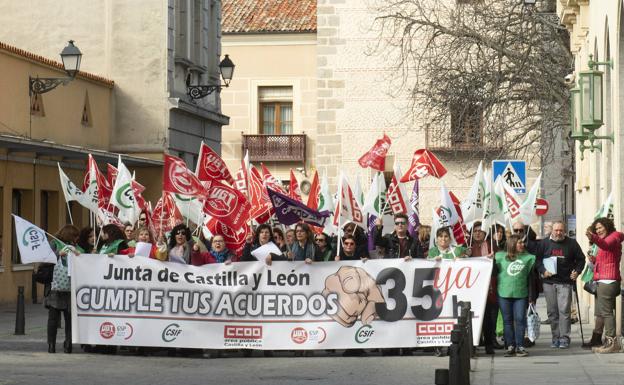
column 357, row 295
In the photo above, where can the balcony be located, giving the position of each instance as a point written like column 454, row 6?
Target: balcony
column 275, row 148
column 443, row 140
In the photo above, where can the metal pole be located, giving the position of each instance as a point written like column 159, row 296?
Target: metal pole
column 20, row 320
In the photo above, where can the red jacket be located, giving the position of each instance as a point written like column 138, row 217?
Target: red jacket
column 199, row 258
column 607, row 265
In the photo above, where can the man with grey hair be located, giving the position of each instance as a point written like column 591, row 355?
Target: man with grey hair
column 567, row 261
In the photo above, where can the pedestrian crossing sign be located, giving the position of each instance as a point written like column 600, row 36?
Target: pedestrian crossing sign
column 513, row 173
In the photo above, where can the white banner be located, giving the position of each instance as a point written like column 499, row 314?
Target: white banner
column 289, row 305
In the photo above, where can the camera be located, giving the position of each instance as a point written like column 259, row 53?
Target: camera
column 570, row 78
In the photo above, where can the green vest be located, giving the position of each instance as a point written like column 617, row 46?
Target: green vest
column 111, row 248
column 454, row 252
column 513, row 276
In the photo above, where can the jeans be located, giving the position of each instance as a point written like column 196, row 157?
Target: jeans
column 514, row 320
column 558, row 306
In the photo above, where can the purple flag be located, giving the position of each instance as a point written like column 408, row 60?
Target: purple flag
column 371, row 229
column 414, row 220
column 290, row 211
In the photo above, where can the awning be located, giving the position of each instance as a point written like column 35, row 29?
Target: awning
column 17, row 144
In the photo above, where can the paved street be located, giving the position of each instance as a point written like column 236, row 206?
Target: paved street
column 24, row 360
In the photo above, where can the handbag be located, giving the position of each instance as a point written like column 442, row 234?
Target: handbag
column 591, row 287
column 533, row 323
column 61, row 282
column 44, row 273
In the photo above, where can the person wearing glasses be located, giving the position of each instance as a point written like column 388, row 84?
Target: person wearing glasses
column 349, row 250
column 527, row 234
column 398, row 244
column 180, row 246
column 218, row 253
column 142, row 222
column 569, row 262
column 324, row 249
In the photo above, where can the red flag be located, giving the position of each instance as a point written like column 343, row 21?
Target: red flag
column 459, row 228
column 111, row 173
column 396, row 198
column 104, row 188
column 165, row 215
column 271, row 182
column 137, row 189
column 261, row 205
column 375, row 158
column 210, row 166
column 226, row 204
column 179, row 179
column 240, row 182
column 424, row 163
column 234, row 239
column 294, row 191
column 315, row 190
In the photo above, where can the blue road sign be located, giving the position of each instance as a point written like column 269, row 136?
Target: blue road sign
column 513, row 172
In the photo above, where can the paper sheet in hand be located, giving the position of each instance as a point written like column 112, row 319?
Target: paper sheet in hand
column 263, row 251
column 143, row 249
column 550, row 264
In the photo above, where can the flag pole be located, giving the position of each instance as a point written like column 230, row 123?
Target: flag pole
column 71, row 220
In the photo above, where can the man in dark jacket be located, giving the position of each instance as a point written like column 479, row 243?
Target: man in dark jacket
column 398, row 244
column 569, row 260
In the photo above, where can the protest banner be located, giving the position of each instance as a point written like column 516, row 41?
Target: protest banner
column 289, row 305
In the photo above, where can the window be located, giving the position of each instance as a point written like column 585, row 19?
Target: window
column 188, row 29
column 49, row 211
column 21, row 205
column 276, row 115
column 466, row 124
column 86, row 112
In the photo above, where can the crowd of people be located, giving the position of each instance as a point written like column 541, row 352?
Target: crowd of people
column 523, row 266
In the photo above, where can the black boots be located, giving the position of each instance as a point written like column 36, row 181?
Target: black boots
column 51, row 348
column 596, row 340
column 67, row 347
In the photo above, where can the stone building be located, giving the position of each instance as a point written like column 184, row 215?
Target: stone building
column 597, row 28
column 344, row 97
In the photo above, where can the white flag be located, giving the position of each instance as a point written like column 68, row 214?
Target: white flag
column 348, row 209
column 70, row 190
column 32, row 242
column 447, row 213
column 326, row 203
column 375, row 197
column 472, row 206
column 357, row 191
column 527, row 210
column 190, row 207
column 512, row 203
column 123, row 195
column 494, row 204
column 606, row 210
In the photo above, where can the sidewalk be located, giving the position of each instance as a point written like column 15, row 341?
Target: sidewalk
column 24, row 360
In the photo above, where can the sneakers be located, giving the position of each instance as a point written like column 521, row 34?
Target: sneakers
column 564, row 343
column 511, row 351
column 555, row 343
column 521, row 352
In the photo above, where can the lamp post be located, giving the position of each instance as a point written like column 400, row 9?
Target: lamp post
column 586, row 107
column 71, row 57
column 198, row 91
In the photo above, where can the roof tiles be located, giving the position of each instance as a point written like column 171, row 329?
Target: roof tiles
column 265, row 16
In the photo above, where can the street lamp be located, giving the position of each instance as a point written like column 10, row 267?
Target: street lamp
column 586, row 103
column 70, row 56
column 198, row 91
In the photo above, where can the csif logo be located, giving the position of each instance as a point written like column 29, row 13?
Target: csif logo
column 33, row 238
column 171, row 332
column 364, row 333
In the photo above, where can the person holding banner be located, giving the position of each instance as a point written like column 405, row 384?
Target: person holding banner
column 59, row 299
column 112, row 241
column 398, row 244
column 261, row 237
column 180, row 245
column 143, row 236
column 217, row 253
column 608, row 277
column 443, row 248
column 349, row 250
column 324, row 248
column 513, row 272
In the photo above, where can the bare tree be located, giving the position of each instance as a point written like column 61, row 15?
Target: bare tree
column 484, row 74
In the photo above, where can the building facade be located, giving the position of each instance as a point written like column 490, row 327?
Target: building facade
column 149, row 48
column 597, row 28
column 39, row 131
column 343, row 95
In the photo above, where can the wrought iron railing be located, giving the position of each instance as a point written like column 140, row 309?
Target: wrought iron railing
column 437, row 139
column 275, row 148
